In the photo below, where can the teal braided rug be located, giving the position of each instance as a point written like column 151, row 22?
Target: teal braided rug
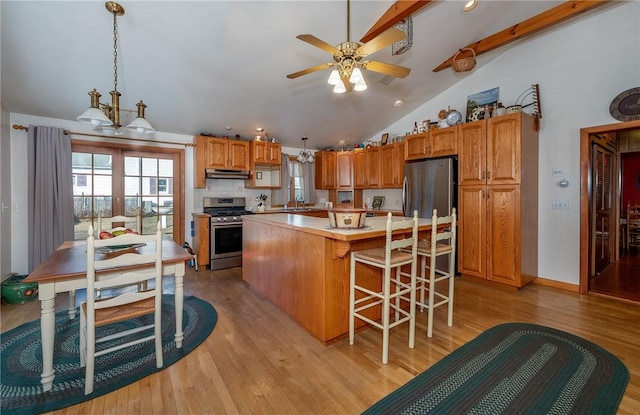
column 21, row 358
column 515, row 368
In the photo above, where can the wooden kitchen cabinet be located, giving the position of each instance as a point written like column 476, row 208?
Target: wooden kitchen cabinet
column 326, row 171
column 359, row 173
column 265, row 165
column 392, row 162
column 437, row 142
column 201, row 241
column 498, row 199
column 372, row 167
column 263, row 152
column 344, row 164
column 218, row 153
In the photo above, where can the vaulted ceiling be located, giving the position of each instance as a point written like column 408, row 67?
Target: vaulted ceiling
column 220, row 66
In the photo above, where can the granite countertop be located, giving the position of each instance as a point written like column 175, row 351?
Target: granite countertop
column 374, row 226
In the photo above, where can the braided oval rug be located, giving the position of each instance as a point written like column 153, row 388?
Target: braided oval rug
column 515, row 368
column 21, row 358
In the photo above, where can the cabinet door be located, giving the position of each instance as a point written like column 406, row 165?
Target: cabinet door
column 372, row 167
column 259, row 151
column 472, row 230
column 415, row 146
column 503, row 234
column 217, row 152
column 359, row 172
column 344, row 161
column 201, row 161
column 504, row 149
column 325, row 169
column 443, row 142
column 274, row 153
column 238, row 155
column 392, row 162
column 472, row 158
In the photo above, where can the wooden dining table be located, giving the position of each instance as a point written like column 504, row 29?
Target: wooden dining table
column 65, row 270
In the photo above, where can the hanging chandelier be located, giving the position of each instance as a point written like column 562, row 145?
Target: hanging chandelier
column 105, row 117
column 305, row 156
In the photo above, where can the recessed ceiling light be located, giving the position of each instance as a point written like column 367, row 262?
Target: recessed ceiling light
column 259, row 129
column 398, row 103
column 470, row 6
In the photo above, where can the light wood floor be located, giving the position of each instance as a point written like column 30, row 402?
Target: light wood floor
column 259, row 361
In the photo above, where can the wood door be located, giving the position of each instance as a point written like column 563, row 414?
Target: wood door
column 472, row 230
column 259, row 151
column 344, row 162
column 325, row 169
column 392, row 162
column 372, row 167
column 472, row 157
column 504, row 149
column 238, row 155
column 274, row 153
column 415, row 147
column 443, row 142
column 503, row 234
column 359, row 171
column 602, row 213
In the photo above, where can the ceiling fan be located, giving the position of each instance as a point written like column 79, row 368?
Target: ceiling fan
column 348, row 59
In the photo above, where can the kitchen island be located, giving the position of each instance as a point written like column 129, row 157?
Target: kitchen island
column 302, row 266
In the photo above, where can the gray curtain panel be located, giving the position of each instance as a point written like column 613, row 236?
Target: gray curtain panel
column 309, row 176
column 50, row 193
column 281, row 196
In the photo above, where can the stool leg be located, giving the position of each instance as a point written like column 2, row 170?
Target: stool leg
column 451, row 288
column 432, row 283
column 352, row 298
column 385, row 315
column 423, row 267
column 412, row 305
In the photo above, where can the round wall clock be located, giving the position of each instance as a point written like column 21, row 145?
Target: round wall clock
column 626, row 106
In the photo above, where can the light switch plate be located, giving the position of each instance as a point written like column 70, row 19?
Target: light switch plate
column 558, row 172
column 560, row 204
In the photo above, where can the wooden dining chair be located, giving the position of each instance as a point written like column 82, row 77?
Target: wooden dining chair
column 122, row 304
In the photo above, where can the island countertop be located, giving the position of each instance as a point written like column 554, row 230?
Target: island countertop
column 375, row 226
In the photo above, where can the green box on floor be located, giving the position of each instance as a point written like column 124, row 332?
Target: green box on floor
column 16, row 291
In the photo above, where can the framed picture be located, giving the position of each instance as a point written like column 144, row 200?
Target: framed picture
column 480, row 99
column 378, row 201
column 385, row 139
column 258, row 175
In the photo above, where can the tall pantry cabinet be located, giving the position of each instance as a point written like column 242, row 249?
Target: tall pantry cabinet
column 498, row 199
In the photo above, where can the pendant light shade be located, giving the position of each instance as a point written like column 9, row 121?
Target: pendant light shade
column 305, row 156
column 334, row 78
column 340, row 88
column 356, row 76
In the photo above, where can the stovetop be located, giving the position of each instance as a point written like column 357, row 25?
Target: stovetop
column 225, row 209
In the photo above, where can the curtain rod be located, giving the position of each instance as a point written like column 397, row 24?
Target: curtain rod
column 67, row 132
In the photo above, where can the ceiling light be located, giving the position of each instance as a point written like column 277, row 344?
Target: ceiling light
column 106, row 117
column 305, row 156
column 340, row 88
column 360, row 86
column 398, row 103
column 334, row 78
column 356, row 76
column 470, row 6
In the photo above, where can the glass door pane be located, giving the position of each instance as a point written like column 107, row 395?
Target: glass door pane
column 92, row 189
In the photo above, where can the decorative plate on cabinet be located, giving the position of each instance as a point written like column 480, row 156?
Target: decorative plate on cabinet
column 626, row 106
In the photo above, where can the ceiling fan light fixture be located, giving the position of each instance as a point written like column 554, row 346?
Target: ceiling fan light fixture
column 360, row 86
column 339, row 88
column 470, row 6
column 356, row 76
column 334, row 78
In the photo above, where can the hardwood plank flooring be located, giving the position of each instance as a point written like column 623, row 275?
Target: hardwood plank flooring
column 620, row 279
column 258, row 361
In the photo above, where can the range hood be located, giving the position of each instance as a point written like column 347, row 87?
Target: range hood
column 226, row 174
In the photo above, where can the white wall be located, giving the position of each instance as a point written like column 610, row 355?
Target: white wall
column 580, row 69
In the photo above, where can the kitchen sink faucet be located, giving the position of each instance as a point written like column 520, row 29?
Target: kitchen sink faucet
column 299, row 198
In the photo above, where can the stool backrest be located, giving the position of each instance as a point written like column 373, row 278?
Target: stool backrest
column 440, row 232
column 395, row 226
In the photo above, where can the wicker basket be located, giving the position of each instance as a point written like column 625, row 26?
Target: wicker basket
column 464, row 64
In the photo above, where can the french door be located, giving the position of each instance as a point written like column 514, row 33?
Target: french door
column 111, row 180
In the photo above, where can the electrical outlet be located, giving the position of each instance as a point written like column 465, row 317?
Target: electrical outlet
column 560, row 204
column 558, row 172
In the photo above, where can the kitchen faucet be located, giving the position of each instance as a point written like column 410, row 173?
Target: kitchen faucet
column 299, row 198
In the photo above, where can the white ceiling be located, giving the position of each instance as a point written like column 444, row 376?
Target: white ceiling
column 204, row 66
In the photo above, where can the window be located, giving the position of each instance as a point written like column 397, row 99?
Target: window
column 118, row 180
column 297, row 181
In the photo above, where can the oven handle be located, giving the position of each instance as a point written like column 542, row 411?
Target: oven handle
column 225, row 225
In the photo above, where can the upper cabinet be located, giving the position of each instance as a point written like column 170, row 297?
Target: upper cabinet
column 325, row 162
column 344, row 164
column 263, row 152
column 218, row 153
column 265, row 165
column 437, row 142
column 392, row 166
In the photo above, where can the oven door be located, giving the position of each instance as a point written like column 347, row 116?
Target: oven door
column 226, row 245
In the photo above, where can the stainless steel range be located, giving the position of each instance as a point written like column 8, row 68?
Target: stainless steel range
column 225, row 230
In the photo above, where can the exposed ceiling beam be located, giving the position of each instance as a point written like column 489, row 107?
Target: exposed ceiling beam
column 527, row 27
column 398, row 11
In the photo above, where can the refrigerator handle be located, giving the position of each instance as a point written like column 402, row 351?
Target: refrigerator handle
column 404, row 196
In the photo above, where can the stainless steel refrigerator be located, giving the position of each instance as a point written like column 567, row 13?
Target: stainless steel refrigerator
column 430, row 184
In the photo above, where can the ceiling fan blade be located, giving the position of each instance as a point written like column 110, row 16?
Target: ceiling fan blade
column 386, row 38
column 311, row 39
column 386, row 68
column 309, row 70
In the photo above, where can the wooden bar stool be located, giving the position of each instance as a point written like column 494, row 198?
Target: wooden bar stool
column 441, row 242
column 387, row 258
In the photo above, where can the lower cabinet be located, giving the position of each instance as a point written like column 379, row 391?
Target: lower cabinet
column 201, row 242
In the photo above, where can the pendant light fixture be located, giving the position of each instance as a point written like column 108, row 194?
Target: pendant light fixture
column 305, row 156
column 105, row 117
